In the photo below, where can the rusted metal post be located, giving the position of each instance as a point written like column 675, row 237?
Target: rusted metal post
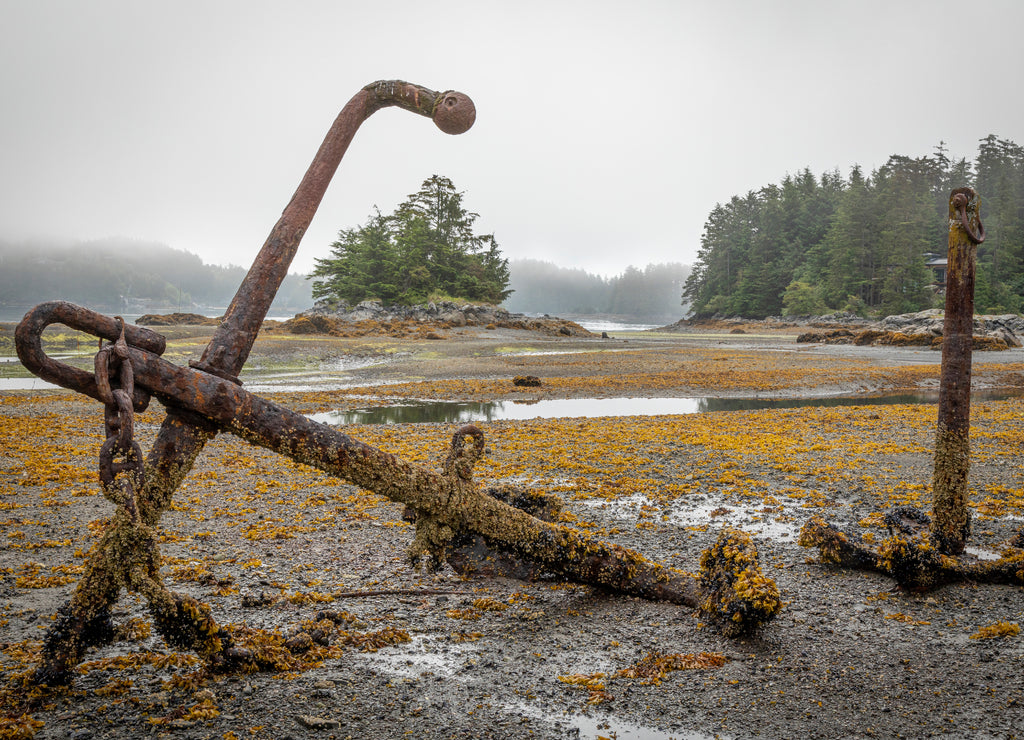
column 951, row 519
column 922, row 552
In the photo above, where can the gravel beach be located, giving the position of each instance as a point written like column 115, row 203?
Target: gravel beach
column 271, row 545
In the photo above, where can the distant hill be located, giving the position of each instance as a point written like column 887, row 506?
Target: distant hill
column 128, row 276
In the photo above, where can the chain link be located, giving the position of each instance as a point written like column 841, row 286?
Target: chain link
column 121, row 465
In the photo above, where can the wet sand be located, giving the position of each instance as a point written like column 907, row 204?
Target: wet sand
column 268, row 544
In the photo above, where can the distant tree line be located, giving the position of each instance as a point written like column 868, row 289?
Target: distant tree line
column 425, row 249
column 861, row 244
column 125, row 275
column 650, row 293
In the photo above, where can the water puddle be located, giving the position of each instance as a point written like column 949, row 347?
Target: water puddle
column 982, row 554
column 421, row 657
column 331, row 376
column 594, row 728
column 470, row 411
column 26, row 384
column 586, row 727
column 780, row 521
column 599, row 326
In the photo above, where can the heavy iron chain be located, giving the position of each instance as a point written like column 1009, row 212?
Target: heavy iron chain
column 121, row 464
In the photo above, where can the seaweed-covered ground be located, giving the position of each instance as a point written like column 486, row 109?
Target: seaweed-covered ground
column 269, row 544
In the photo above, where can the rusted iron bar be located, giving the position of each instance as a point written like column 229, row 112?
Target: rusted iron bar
column 450, row 503
column 28, row 341
column 180, row 440
column 452, row 112
column 924, row 552
column 951, row 520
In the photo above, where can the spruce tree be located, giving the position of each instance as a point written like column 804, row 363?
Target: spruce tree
column 426, row 246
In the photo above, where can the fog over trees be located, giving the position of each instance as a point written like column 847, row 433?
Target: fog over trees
column 126, row 275
column 134, row 276
column 809, row 244
column 652, row 293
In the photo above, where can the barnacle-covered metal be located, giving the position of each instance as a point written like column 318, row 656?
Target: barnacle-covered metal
column 951, row 522
column 923, row 552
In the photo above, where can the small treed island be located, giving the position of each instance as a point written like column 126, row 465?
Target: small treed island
column 426, row 248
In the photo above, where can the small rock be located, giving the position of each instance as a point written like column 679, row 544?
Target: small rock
column 318, row 723
column 160, row 698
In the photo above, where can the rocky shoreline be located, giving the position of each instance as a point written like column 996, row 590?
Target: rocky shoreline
column 921, row 329
column 338, row 318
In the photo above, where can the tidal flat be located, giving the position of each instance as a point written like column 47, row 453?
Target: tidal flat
column 268, row 543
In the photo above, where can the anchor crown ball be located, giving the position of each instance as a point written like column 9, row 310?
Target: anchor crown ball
column 454, row 113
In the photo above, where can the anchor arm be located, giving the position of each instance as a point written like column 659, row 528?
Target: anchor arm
column 452, row 112
column 452, row 499
column 730, row 592
column 181, row 439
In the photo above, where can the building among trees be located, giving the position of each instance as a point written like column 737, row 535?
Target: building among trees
column 861, row 244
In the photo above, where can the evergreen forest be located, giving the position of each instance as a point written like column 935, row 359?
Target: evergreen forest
column 426, row 249
column 862, row 244
column 126, row 275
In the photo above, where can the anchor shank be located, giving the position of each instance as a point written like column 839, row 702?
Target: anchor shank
column 460, row 505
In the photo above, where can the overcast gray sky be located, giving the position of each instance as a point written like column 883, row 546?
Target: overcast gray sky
column 605, row 133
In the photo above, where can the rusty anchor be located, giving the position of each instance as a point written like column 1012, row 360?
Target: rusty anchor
column 924, row 552
column 207, row 398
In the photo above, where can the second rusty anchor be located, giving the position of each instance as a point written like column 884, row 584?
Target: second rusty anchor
column 924, row 552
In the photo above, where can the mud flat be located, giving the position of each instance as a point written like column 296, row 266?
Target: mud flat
column 269, row 544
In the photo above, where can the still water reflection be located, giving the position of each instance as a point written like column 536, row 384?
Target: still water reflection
column 460, row 412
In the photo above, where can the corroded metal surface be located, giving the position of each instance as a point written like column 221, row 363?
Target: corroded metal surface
column 924, row 552
column 206, row 398
column 29, row 344
column 951, row 524
column 128, row 555
column 448, row 500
